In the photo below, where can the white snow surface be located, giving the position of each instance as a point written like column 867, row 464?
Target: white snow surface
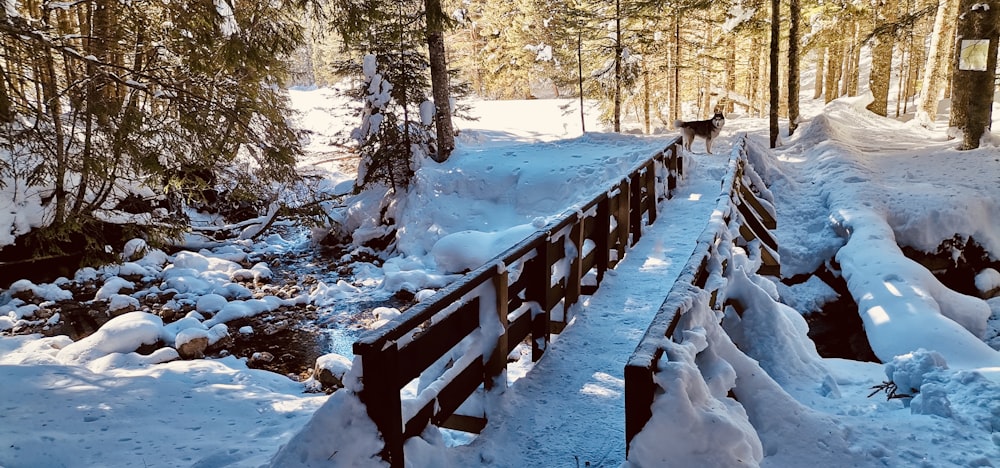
column 848, row 186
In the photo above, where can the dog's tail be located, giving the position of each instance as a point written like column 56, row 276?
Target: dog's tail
column 678, row 123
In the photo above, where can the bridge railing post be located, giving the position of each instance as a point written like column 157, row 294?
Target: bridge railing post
column 574, row 277
column 496, row 364
column 635, row 206
column 639, row 391
column 650, row 187
column 380, row 395
column 538, row 292
column 620, row 240
column 602, row 236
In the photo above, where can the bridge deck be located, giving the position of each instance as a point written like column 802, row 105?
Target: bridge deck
column 569, row 410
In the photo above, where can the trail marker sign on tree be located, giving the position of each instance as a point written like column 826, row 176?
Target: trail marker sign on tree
column 974, row 70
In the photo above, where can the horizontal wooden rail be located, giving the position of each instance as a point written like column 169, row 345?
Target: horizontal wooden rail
column 742, row 203
column 457, row 342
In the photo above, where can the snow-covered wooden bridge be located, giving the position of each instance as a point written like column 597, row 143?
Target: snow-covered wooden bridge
column 609, row 279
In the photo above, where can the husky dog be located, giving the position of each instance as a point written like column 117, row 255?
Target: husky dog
column 707, row 129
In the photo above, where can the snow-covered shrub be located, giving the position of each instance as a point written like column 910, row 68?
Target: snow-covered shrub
column 908, row 371
column 392, row 139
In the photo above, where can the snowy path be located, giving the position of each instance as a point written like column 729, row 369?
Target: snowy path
column 569, row 410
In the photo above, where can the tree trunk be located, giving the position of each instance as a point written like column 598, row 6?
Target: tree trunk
column 773, row 78
column 846, row 51
column 834, row 64
column 974, row 69
column 646, row 107
column 618, row 67
column 918, row 55
column 793, row 65
column 439, row 81
column 903, row 79
column 753, row 81
column 704, row 78
column 730, row 73
column 6, row 109
column 855, row 65
column 48, row 82
column 820, row 72
column 881, row 72
column 579, row 77
column 675, row 95
column 938, row 58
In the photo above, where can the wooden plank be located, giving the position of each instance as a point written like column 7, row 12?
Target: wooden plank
column 449, row 398
column 588, row 262
column 737, row 306
column 748, row 196
column 514, row 289
column 415, row 426
column 555, row 294
column 436, row 341
column 458, row 390
column 701, row 274
column 518, row 330
column 465, row 423
column 769, row 263
column 755, row 225
column 589, row 223
column 514, row 302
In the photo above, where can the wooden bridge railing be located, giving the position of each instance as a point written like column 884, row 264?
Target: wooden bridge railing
column 469, row 328
column 745, row 204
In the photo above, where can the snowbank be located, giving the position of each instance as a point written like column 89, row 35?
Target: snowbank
column 903, row 306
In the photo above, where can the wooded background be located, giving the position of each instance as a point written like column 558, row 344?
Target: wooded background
column 681, row 59
column 124, row 113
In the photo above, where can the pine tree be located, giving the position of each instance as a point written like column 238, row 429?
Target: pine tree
column 499, row 28
column 129, row 100
column 395, row 133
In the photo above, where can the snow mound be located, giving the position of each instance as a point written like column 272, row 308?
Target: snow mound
column 122, row 334
column 467, row 250
column 695, row 423
column 908, row 371
column 340, row 433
